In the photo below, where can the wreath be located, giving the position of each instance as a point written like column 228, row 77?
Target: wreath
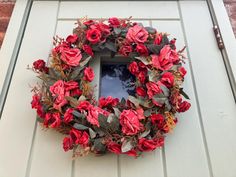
column 65, row 100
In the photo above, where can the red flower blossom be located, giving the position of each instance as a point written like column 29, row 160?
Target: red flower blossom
column 137, row 34
column 153, row 89
column 71, row 56
column 88, row 74
column 141, row 92
column 142, row 50
column 83, row 105
column 168, row 79
column 114, row 147
column 35, row 103
column 125, row 50
column 93, row 113
column 133, row 68
column 130, row 122
column 158, row 39
column 52, row 120
column 88, row 50
column 158, row 120
column 71, row 85
column 149, row 144
column 72, row 38
column 142, row 77
column 68, row 116
column 114, row 22
column 182, row 71
column 40, row 65
column 67, row 144
column 93, row 36
column 108, row 101
column 79, row 137
column 184, row 106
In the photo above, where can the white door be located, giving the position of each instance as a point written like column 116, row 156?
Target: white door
column 202, row 145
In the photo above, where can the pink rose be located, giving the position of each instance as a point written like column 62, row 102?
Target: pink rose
column 88, row 74
column 114, row 22
column 72, row 38
column 125, row 50
column 142, row 77
column 158, row 120
column 79, row 137
column 168, row 79
column 164, row 61
column 58, row 91
column 93, row 35
column 89, row 22
column 153, row 89
column 68, row 116
column 133, row 68
column 137, row 34
column 142, row 49
column 130, row 122
column 146, row 145
column 40, row 65
column 71, row 56
column 184, row 106
column 52, row 120
column 93, row 113
column 109, row 101
column 67, row 144
column 158, row 39
column 83, row 105
column 35, row 103
column 71, row 85
column 141, row 92
column 114, row 147
column 88, row 50
column 182, row 71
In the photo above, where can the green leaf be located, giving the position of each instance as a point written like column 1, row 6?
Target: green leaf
column 133, row 100
column 165, row 90
column 113, row 121
column 150, row 30
column 126, row 146
column 99, row 146
column 143, row 59
column 152, row 76
column 73, row 101
column 103, row 121
column 160, row 98
column 154, row 48
column 83, row 63
column 165, row 40
column 82, row 98
column 183, row 93
column 54, row 74
column 117, row 112
column 77, row 114
column 123, row 101
column 111, row 46
column 74, row 74
column 147, row 112
column 92, row 133
column 80, row 126
column 167, row 104
column 117, row 31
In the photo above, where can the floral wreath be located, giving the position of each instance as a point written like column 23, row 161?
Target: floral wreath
column 65, row 99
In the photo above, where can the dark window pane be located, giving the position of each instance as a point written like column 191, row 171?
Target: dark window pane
column 116, row 81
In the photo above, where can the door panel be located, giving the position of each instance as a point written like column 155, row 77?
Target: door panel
column 202, row 134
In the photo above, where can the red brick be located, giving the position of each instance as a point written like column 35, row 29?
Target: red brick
column 4, row 23
column 6, row 9
column 1, row 38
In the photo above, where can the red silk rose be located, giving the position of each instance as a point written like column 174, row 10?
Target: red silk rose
column 68, row 116
column 71, row 56
column 108, row 101
column 114, row 22
column 130, row 122
column 52, row 120
column 125, row 50
column 88, row 50
column 142, row 50
column 149, row 144
column 93, row 36
column 72, row 38
column 114, row 147
column 88, row 74
column 168, row 79
column 133, row 68
column 153, row 89
column 40, row 65
column 79, row 137
column 141, row 92
column 137, row 34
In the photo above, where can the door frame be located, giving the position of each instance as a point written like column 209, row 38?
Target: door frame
column 11, row 44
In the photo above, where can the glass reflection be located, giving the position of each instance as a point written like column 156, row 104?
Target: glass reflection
column 116, row 81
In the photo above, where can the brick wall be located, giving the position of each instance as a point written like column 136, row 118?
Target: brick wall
column 6, row 8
